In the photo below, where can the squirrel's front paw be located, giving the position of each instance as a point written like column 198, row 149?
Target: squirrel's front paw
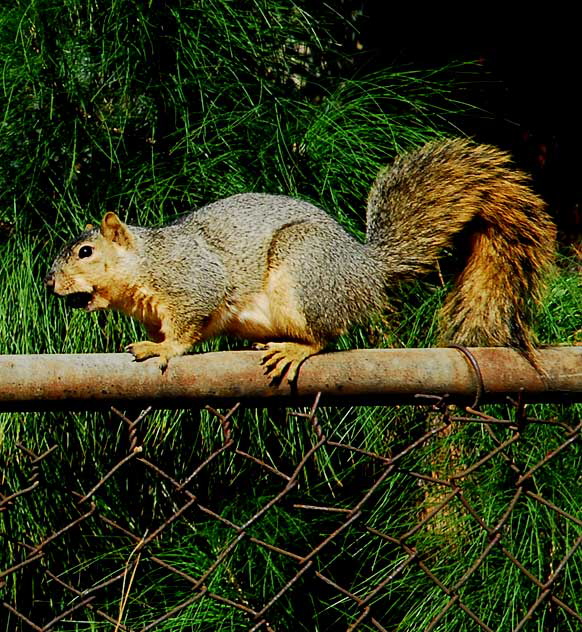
column 143, row 350
column 162, row 350
column 146, row 349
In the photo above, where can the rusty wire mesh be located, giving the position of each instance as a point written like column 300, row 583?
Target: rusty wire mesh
column 403, row 537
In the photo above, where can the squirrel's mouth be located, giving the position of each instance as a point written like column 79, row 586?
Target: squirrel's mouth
column 79, row 300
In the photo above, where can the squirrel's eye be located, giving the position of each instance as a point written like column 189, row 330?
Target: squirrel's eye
column 85, row 251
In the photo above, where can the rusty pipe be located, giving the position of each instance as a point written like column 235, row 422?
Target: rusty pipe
column 370, row 377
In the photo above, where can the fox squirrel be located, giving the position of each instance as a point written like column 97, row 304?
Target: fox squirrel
column 282, row 272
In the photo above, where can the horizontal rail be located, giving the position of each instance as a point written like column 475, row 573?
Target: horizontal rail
column 370, row 377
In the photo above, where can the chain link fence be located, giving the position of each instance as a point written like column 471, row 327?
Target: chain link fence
column 464, row 520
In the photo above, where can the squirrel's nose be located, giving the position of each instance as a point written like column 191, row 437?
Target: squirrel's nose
column 49, row 280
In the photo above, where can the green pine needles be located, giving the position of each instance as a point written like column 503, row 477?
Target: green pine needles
column 153, row 109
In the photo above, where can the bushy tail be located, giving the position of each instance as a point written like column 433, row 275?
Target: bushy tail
column 419, row 204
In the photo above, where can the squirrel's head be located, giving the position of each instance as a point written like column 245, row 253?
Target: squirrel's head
column 93, row 268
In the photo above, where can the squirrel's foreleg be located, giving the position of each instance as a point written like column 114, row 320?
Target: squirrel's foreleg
column 171, row 335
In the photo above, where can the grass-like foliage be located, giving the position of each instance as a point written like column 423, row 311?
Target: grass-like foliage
column 153, row 109
column 158, row 108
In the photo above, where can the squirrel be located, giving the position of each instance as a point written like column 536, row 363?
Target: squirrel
column 284, row 274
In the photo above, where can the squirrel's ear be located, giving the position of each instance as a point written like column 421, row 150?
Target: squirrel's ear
column 89, row 227
column 113, row 229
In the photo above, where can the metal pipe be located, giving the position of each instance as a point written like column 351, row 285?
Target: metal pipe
column 370, row 377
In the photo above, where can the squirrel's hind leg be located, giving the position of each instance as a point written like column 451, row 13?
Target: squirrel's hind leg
column 282, row 359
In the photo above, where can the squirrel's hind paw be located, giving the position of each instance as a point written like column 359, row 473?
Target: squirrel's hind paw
column 283, row 359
